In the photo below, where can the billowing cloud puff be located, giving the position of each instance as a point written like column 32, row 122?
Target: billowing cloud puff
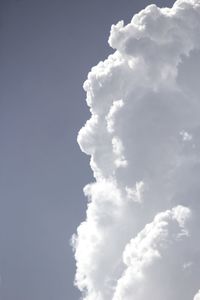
column 145, row 257
column 140, row 238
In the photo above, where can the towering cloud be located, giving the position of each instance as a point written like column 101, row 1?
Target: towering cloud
column 140, row 239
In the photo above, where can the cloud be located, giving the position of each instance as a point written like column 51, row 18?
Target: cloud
column 197, row 296
column 148, row 253
column 140, row 238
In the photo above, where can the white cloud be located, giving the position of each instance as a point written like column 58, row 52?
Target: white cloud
column 147, row 254
column 144, row 141
column 197, row 296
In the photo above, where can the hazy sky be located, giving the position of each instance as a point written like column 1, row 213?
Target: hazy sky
column 47, row 48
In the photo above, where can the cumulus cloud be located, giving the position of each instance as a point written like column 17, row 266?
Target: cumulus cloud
column 140, row 238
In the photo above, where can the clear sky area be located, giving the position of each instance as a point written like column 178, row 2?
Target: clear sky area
column 47, row 47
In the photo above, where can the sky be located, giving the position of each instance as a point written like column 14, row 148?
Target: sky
column 47, row 49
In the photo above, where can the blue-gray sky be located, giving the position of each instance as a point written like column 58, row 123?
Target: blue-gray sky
column 47, row 49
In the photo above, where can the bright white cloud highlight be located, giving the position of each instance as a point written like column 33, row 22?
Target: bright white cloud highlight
column 197, row 296
column 140, row 239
